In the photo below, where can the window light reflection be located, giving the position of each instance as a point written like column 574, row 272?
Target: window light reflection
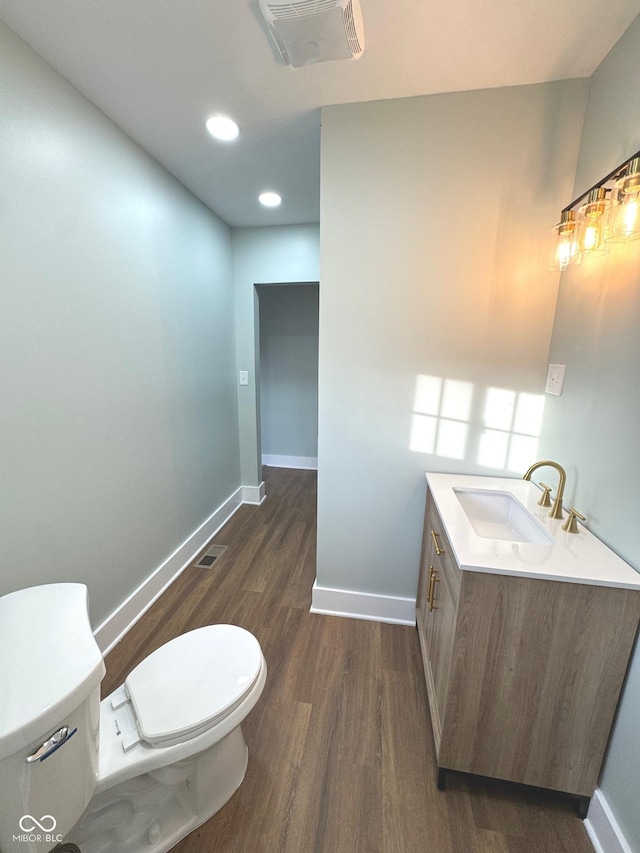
column 492, row 448
column 423, row 433
column 503, row 433
column 456, row 400
column 452, row 439
column 528, row 417
column 427, row 396
column 498, row 408
column 522, row 449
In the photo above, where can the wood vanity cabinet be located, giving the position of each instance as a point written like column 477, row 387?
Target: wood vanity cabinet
column 523, row 675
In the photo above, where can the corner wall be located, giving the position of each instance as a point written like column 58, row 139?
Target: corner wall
column 272, row 255
column 119, row 428
column 593, row 428
column 435, row 308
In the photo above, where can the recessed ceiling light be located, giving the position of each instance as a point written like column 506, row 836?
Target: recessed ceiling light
column 223, row 128
column 269, row 199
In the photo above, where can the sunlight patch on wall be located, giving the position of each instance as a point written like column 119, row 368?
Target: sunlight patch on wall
column 440, row 423
column 423, row 434
column 512, row 422
column 455, row 420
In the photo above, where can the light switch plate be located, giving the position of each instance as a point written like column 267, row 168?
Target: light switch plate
column 555, row 379
column 243, row 376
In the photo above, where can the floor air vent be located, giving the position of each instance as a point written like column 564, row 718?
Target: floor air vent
column 208, row 557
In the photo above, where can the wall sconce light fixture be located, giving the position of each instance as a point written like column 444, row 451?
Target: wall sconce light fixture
column 608, row 212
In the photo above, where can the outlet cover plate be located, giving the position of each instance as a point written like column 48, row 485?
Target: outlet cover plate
column 555, row 379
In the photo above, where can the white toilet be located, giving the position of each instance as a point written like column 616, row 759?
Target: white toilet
column 137, row 771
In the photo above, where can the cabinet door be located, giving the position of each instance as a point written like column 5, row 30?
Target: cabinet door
column 424, row 584
column 443, row 626
column 438, row 594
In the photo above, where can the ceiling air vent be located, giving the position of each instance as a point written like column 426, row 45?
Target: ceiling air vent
column 310, row 31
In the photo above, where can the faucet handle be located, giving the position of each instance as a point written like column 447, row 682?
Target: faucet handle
column 545, row 500
column 571, row 525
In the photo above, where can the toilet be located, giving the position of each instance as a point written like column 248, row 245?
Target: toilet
column 137, row 771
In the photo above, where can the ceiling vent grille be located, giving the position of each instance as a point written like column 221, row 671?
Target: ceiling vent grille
column 310, row 31
column 351, row 30
column 281, row 46
column 301, row 9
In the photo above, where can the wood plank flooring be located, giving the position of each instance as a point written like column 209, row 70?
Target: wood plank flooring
column 341, row 756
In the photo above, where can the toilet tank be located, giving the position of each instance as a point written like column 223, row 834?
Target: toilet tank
column 50, row 673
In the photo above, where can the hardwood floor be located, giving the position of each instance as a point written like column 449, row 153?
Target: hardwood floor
column 341, row 756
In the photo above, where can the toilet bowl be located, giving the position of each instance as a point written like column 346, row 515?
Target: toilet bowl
column 137, row 771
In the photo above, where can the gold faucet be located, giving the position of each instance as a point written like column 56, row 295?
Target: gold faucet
column 556, row 509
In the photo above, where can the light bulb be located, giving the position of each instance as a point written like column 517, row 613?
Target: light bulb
column 565, row 252
column 594, row 228
column 590, row 237
column 566, row 249
column 627, row 222
column 628, row 218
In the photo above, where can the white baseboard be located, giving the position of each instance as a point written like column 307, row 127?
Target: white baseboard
column 253, row 494
column 602, row 827
column 363, row 605
column 309, row 463
column 124, row 617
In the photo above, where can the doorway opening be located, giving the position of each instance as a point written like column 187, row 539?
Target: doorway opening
column 287, row 381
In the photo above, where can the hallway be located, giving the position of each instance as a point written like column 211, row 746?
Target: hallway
column 341, row 758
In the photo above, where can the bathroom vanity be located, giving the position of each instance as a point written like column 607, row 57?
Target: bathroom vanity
column 526, row 632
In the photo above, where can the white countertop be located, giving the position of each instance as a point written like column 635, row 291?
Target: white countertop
column 576, row 558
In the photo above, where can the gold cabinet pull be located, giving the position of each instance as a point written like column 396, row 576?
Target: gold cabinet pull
column 434, row 580
column 434, row 536
column 430, row 590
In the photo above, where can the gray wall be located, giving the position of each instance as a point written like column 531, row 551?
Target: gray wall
column 435, row 307
column 263, row 256
column 119, row 429
column 289, row 370
column 593, row 429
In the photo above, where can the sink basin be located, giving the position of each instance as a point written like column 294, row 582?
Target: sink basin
column 499, row 515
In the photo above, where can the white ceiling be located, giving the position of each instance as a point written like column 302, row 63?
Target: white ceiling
column 159, row 68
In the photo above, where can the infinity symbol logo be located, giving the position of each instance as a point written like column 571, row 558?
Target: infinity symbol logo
column 28, row 823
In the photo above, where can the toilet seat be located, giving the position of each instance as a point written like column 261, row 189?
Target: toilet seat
column 192, row 682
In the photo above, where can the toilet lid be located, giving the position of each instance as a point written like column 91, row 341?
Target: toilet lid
column 193, row 681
